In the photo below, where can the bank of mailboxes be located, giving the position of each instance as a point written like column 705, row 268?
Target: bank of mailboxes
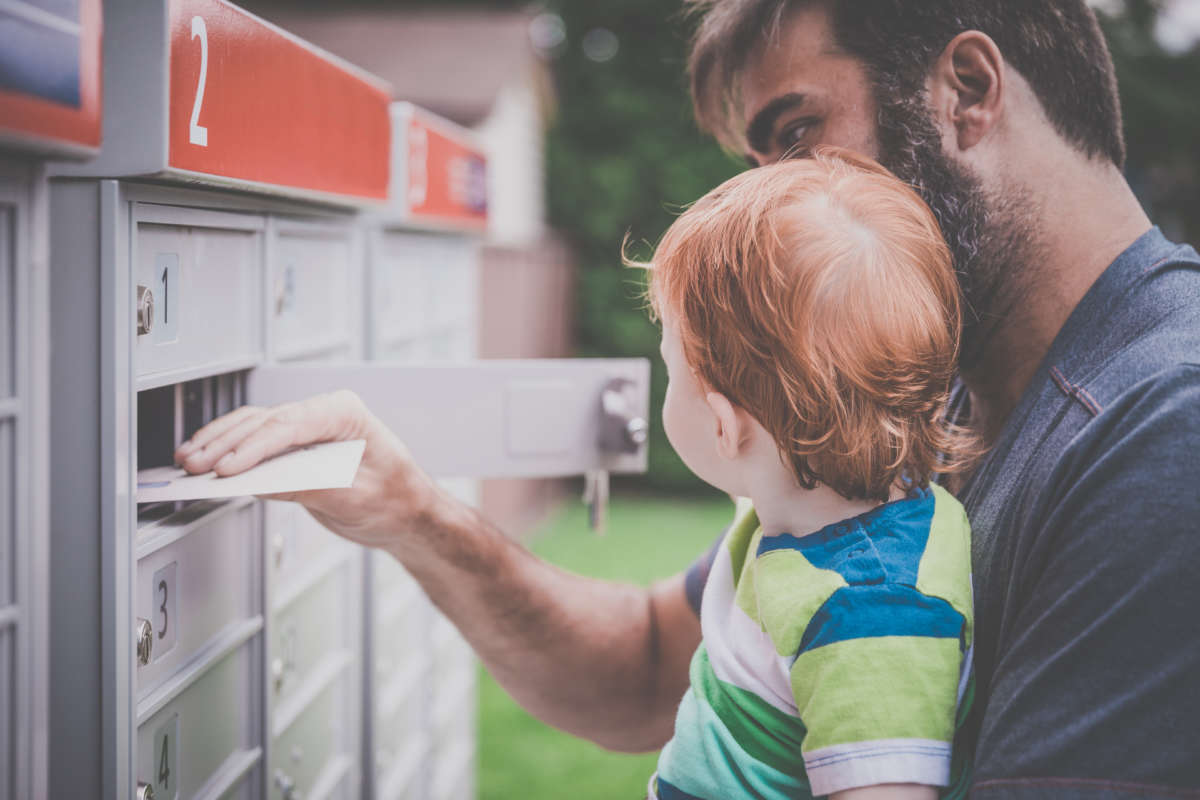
column 49, row 108
column 261, row 224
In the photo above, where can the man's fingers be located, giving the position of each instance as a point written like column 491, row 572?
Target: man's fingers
column 241, row 439
column 271, row 438
column 217, row 448
column 203, row 437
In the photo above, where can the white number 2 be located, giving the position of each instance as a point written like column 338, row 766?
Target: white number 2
column 197, row 133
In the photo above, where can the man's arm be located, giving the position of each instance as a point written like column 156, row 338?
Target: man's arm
column 888, row 791
column 604, row 661
column 601, row 660
column 1094, row 690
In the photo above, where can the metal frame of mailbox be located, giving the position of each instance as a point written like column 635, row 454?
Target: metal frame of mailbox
column 415, row 772
column 24, row 632
column 339, row 673
column 92, row 499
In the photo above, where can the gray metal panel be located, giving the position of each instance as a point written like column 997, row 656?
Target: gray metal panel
column 207, row 567
column 215, row 294
column 483, row 419
column 75, row 618
column 214, row 728
column 8, row 717
column 313, row 302
column 8, row 512
column 135, row 90
column 24, row 361
column 91, row 409
column 8, row 290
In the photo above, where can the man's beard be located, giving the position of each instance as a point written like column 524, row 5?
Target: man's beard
column 991, row 239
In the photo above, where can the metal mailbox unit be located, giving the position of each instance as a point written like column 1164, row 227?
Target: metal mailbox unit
column 424, row 278
column 50, row 107
column 215, row 233
column 216, row 252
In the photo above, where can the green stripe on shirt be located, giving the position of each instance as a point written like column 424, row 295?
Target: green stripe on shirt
column 764, row 732
column 838, row 690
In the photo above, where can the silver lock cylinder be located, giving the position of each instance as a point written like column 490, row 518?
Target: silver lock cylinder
column 144, row 791
column 637, row 430
column 144, row 633
column 145, row 310
column 287, row 786
column 278, row 673
column 623, row 430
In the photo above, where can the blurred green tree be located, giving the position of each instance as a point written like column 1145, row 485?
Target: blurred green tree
column 624, row 157
column 1159, row 91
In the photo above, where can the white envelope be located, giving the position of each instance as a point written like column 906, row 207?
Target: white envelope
column 331, row 465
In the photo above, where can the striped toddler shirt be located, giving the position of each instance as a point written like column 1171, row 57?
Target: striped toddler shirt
column 829, row 661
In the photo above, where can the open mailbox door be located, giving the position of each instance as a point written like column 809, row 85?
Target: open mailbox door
column 492, row 419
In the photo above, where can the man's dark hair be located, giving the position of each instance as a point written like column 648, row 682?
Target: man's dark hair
column 1056, row 45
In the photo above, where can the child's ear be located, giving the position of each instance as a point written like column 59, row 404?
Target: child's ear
column 731, row 426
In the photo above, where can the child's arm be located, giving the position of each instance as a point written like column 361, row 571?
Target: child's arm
column 888, row 791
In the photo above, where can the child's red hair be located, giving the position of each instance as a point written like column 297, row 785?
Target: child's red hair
column 819, row 295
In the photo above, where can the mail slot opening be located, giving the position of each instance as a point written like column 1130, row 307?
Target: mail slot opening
column 168, row 415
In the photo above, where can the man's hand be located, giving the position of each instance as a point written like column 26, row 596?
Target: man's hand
column 390, row 493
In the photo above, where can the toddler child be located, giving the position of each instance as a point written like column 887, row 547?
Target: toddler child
column 810, row 319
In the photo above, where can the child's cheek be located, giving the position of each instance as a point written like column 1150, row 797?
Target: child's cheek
column 667, row 415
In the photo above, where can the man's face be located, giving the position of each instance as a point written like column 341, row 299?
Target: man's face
column 799, row 91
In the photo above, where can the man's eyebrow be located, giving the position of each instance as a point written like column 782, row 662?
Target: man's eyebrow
column 758, row 132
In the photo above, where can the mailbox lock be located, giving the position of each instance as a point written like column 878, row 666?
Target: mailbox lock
column 144, row 791
column 145, row 641
column 145, row 310
column 278, row 545
column 278, row 672
column 286, row 786
column 622, row 429
column 637, row 430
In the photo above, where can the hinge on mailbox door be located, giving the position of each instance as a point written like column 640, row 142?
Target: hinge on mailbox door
column 622, row 431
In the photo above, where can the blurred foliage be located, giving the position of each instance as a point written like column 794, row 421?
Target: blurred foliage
column 624, row 157
column 1162, row 119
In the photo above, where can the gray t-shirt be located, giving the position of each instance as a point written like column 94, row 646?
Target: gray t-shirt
column 1085, row 523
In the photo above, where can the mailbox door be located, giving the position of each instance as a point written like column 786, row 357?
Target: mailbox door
column 485, row 419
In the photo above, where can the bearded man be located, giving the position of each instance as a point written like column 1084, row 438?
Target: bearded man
column 1080, row 368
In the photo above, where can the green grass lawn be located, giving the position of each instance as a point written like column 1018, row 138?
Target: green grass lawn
column 647, row 538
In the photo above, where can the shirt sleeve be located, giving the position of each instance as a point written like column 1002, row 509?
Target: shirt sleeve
column 1094, row 692
column 697, row 574
column 876, row 682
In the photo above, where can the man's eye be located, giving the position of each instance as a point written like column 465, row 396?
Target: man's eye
column 793, row 136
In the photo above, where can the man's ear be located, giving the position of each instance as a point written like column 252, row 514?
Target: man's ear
column 731, row 425
column 968, row 87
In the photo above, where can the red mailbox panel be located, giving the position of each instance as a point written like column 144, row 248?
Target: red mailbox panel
column 250, row 102
column 447, row 174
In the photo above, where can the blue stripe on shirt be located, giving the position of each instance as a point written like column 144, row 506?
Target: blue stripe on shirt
column 859, row 612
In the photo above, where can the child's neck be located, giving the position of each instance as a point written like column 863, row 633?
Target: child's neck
column 784, row 507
